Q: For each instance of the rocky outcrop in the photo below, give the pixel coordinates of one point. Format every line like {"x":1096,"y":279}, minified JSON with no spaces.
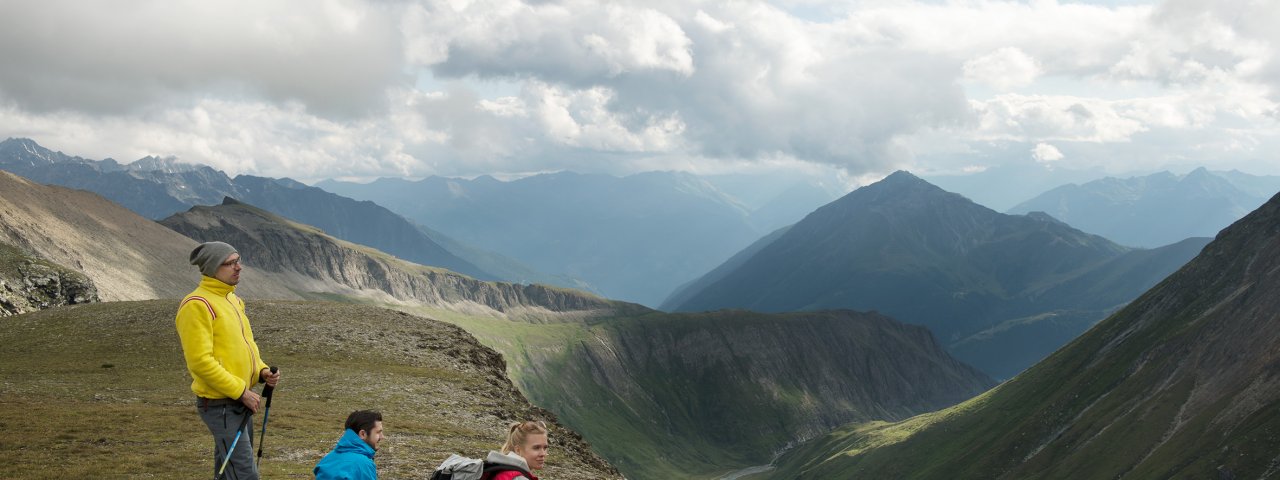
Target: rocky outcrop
{"x":275,"y":244}
{"x":28,"y":283}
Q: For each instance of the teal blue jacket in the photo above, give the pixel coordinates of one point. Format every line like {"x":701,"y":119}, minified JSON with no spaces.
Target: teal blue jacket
{"x":351,"y":459}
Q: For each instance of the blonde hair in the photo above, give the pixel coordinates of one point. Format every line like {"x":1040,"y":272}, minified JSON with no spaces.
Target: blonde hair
{"x":519,"y":432}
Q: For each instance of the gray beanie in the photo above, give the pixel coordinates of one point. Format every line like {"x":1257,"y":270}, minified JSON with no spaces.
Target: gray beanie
{"x":210,"y":255}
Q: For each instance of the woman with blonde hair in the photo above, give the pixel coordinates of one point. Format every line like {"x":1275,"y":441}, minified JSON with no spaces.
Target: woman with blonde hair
{"x":524,"y":451}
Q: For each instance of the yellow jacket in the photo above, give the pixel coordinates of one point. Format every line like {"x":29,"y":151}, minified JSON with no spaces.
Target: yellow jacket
{"x":217,"y":341}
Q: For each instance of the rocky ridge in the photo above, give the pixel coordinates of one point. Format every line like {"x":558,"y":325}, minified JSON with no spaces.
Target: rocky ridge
{"x":275,"y":244}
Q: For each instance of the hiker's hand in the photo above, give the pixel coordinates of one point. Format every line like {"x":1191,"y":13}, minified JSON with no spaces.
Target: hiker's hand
{"x":271,"y":379}
{"x":250,"y":400}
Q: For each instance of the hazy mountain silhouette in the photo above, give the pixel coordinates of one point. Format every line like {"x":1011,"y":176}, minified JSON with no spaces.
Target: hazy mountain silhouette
{"x":1000,"y":290}
{"x":1156,"y":209}
{"x":632,"y":238}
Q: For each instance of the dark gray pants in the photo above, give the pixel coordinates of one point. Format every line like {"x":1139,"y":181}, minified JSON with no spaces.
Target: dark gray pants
{"x":224,"y":418}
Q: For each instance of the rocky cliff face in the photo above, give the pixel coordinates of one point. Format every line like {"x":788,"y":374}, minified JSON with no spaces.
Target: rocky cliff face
{"x":28,"y":283}
{"x":275,"y":244}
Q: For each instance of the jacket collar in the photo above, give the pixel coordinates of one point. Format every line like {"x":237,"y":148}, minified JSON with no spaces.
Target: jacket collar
{"x":352,"y":443}
{"x":216,"y":286}
{"x":512,"y":459}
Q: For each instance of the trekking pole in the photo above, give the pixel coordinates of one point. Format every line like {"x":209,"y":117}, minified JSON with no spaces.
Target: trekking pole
{"x":266,"y":414}
{"x":222,"y":470}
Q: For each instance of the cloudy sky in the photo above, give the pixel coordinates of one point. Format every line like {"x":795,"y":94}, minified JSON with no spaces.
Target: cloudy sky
{"x":313,"y":89}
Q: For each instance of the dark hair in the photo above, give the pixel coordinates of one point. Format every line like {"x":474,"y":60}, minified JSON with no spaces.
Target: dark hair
{"x":363,"y":420}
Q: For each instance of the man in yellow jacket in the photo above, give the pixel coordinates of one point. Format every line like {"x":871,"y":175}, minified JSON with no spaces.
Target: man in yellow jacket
{"x":222,"y":357}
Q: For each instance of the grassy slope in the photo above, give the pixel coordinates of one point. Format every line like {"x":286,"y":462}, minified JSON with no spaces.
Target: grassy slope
{"x":634,"y":443}
{"x":101,"y":390}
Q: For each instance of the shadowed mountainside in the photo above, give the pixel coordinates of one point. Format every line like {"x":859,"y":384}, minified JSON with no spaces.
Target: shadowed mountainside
{"x":734,"y":388}
{"x":1184,"y":382}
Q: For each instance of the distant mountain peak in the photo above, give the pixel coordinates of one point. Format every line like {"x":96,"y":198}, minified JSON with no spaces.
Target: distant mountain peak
{"x":902,"y":176}
{"x":903,"y":179}
{"x":168,"y":164}
{"x":29,"y":151}
{"x":900,"y":190}
{"x":1044,"y":217}
{"x":231,"y":201}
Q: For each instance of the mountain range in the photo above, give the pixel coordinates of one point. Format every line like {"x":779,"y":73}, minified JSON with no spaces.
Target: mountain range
{"x":631,"y":238}
{"x":125,"y":256}
{"x":657,"y":394}
{"x":1156,"y":209}
{"x":1001,"y":291}
{"x":156,"y":188}
{"x":1181,"y":383}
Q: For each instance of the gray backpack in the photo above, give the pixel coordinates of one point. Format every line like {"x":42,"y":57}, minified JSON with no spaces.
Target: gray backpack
{"x":458,"y":467}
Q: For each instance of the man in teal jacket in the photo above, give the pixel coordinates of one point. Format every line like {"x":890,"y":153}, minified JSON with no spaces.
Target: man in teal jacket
{"x":352,"y":457}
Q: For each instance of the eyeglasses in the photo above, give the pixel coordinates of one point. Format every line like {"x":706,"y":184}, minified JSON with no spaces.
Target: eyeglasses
{"x":233,"y":262}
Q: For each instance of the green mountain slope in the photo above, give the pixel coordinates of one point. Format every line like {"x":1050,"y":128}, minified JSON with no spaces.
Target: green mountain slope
{"x":733,"y":388}
{"x":1181,"y":383}
{"x":101,"y":391}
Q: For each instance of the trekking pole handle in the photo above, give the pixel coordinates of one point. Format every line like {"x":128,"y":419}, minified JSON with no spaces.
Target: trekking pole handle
{"x":266,"y":391}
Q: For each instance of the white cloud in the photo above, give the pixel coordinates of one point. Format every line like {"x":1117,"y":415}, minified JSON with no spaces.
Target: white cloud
{"x":1045,"y":153}
{"x":337,"y":57}
{"x":303,"y":89}
{"x":1005,"y":69}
